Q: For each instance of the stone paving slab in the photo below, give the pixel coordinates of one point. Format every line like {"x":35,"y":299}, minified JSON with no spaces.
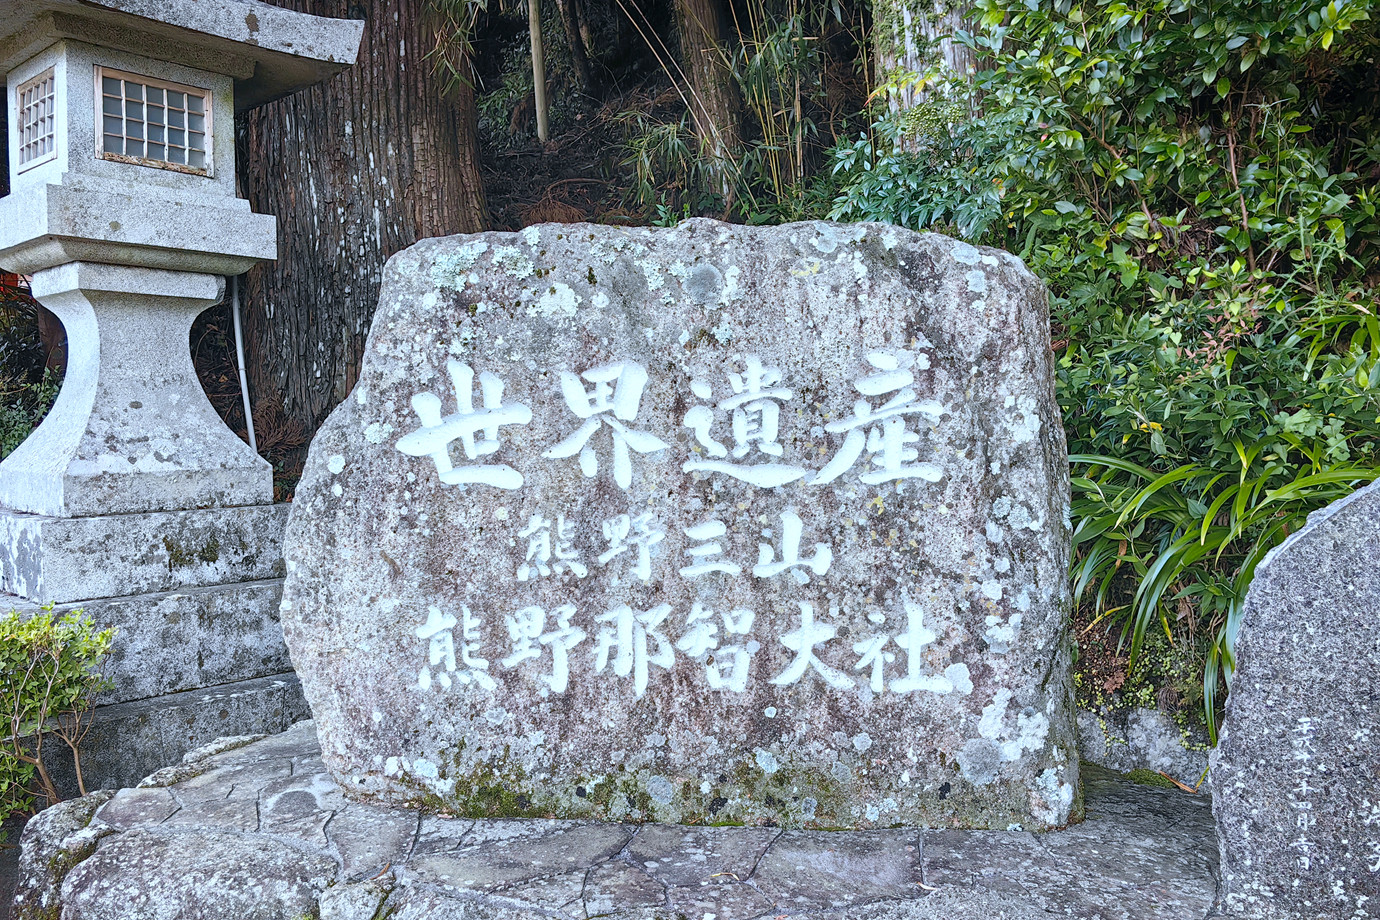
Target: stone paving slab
{"x":261,"y":831}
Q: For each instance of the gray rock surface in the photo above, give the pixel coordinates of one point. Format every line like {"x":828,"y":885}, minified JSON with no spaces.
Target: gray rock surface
{"x":1296,"y":790}
{"x":761,"y":524}
{"x":210,"y":874}
{"x":173,"y":641}
{"x":260,"y":830}
{"x":54,"y":841}
{"x":1144,"y":739}
{"x":128,"y":741}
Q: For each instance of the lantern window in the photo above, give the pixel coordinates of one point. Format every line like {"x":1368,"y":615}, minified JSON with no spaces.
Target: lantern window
{"x":153,"y":122}
{"x":36,"y":105}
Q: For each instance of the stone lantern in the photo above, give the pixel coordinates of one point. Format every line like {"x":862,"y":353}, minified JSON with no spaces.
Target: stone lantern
{"x":133,"y":499}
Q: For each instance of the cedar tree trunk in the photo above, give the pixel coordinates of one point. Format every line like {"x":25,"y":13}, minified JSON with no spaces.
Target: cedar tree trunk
{"x":713,"y":102}
{"x":355,"y":170}
{"x":904,"y":39}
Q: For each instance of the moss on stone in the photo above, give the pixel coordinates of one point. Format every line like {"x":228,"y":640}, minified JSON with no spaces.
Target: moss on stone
{"x":180,"y":556}
{"x":1143,"y":777}
{"x":490,"y":792}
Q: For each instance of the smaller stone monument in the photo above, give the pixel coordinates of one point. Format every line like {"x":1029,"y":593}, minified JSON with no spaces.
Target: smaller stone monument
{"x":705,"y":524}
{"x":133,"y":500}
{"x":1296,"y":790}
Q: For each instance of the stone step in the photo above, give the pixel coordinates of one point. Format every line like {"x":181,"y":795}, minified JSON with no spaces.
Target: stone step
{"x":62,"y":560}
{"x":262,"y":830}
{"x":175,"y":641}
{"x":128,"y":741}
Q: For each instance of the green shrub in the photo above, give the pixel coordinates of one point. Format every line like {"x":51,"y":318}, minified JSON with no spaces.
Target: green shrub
{"x":1196,"y":183}
{"x":22,"y":408}
{"x":49,"y":677}
{"x":27,"y":387}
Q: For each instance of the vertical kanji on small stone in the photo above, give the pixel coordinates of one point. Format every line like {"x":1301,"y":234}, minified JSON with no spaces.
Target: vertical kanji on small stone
{"x":439,"y":431}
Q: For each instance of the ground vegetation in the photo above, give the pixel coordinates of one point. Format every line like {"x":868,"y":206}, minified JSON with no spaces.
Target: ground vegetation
{"x":49,"y":679}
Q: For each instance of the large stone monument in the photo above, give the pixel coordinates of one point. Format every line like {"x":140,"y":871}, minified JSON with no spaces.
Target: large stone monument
{"x":1296,"y":789}
{"x":133,"y":500}
{"x":710,"y":524}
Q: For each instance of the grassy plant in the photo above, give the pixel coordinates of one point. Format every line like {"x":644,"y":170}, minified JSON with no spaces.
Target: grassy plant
{"x":22,"y":408}
{"x":49,"y":678}
{"x":779,"y":65}
{"x":777,"y":69}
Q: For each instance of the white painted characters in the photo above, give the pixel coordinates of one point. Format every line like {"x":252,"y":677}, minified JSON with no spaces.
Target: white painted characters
{"x":754,"y":412}
{"x":613,"y":401}
{"x":528,"y":634}
{"x":610,"y":396}
{"x":632,"y":634}
{"x":803,"y":642}
{"x":550,"y":549}
{"x":438,"y":631}
{"x":791,"y":561}
{"x":705,"y":554}
{"x":629,"y":643}
{"x":727,"y":668}
{"x":635,"y":534}
{"x":439,"y":431}
{"x":913,"y":641}
{"x":881,"y":430}
{"x":873,"y":656}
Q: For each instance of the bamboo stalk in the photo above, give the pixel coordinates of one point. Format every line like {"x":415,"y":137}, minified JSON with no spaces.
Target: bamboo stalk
{"x":538,"y":69}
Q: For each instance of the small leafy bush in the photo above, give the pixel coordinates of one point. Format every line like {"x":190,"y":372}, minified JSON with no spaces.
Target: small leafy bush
{"x":22,"y":408}
{"x":27,"y":387}
{"x":1197,"y":184}
{"x":49,"y":678}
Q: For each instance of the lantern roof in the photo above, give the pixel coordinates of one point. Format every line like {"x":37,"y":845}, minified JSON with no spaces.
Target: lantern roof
{"x":269,"y":51}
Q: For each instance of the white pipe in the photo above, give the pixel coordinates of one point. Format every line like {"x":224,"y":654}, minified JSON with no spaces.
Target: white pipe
{"x":239,"y":357}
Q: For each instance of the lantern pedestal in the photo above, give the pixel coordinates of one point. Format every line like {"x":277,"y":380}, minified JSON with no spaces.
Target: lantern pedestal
{"x":132,"y":430}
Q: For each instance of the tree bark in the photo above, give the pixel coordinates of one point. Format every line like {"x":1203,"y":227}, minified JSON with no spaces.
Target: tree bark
{"x":355,"y":170}
{"x":714,"y":100}
{"x":915,"y":35}
{"x":571,"y":16}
